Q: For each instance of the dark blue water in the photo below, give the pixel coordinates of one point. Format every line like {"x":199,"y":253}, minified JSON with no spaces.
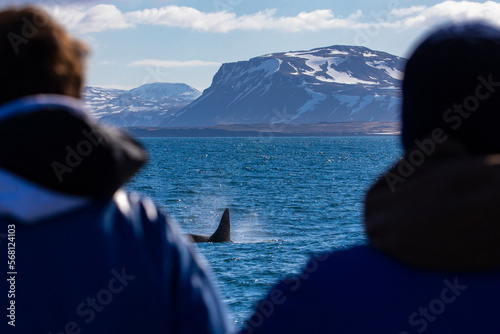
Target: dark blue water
{"x":288,"y":197}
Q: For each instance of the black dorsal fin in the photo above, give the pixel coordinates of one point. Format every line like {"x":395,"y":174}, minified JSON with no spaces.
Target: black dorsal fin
{"x":223,"y":232}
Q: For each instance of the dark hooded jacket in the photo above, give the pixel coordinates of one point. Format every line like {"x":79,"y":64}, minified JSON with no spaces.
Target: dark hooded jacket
{"x":433,"y":220}
{"x":432,"y":266}
{"x":80,"y":255}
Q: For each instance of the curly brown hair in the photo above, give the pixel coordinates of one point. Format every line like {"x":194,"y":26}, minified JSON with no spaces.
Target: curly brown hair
{"x":37,"y":56}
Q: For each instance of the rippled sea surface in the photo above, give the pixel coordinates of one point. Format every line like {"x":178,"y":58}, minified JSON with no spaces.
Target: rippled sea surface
{"x":288,"y":198}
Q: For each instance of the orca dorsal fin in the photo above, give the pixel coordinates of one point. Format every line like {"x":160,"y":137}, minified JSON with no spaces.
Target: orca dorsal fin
{"x":223,"y":232}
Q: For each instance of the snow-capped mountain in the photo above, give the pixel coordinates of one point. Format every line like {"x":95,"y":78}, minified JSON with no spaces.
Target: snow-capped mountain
{"x":147,"y":105}
{"x":331,"y":84}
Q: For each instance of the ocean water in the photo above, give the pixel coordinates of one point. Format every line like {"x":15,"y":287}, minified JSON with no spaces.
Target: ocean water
{"x":288,"y":198}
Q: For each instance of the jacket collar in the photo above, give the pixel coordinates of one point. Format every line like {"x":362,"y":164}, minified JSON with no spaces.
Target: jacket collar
{"x":29,"y":203}
{"x":31,"y":104}
{"x":441,"y":215}
{"x":50,"y":142}
{"x":21,"y":199}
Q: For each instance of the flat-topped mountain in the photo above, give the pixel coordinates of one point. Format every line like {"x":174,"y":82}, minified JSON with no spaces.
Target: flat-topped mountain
{"x":331,"y":84}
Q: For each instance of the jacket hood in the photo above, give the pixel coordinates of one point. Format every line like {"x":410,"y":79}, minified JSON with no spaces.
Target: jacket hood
{"x":54,"y":155}
{"x":452,"y":82}
{"x":442,"y":215}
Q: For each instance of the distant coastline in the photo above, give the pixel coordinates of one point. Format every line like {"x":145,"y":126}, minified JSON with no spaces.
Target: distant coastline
{"x":274,"y":130}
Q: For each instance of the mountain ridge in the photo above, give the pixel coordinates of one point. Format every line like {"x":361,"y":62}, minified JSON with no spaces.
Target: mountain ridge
{"x":335,"y":83}
{"x":146,"y":105}
{"x":338,"y":83}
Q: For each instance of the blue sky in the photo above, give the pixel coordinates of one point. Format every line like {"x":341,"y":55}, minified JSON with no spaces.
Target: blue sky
{"x":136,"y":42}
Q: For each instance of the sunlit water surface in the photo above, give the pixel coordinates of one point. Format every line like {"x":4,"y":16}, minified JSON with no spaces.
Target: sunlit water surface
{"x":288,"y":197}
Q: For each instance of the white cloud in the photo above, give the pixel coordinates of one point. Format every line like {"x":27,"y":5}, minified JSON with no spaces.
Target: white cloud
{"x":457,"y":11}
{"x":172,"y":63}
{"x":317,"y":20}
{"x":183,"y":17}
{"x":94,"y":19}
{"x":186,"y":17}
{"x":401,"y":12}
{"x":109,"y":17}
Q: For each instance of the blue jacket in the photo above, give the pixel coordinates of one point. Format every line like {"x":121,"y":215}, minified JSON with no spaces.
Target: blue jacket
{"x":85,"y":257}
{"x":362,"y":290}
{"x":432,"y":266}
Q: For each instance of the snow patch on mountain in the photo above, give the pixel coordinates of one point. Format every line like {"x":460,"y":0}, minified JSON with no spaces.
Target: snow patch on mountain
{"x":391,"y":71}
{"x":311,"y":104}
{"x":269,"y":67}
